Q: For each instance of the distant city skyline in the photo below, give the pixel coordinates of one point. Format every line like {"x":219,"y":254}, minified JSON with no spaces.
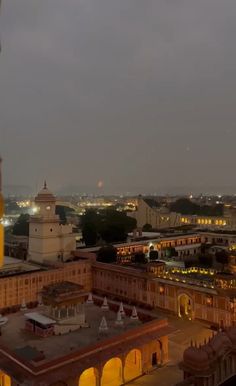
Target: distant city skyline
{"x":113,"y":190}
{"x":138,"y":95}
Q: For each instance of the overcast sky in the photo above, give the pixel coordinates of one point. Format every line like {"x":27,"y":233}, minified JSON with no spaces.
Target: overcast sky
{"x":140,"y":94}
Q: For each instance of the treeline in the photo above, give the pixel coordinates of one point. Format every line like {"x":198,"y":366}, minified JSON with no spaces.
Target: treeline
{"x":21,"y":226}
{"x":185,"y":206}
{"x":106,"y":225}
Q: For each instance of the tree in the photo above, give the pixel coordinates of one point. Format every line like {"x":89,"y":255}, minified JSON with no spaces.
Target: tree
{"x":139,"y":258}
{"x":107,"y":254}
{"x":89,"y":234}
{"x":63,"y":211}
{"x":153,"y":255}
{"x":109,"y":225}
{"x":186,"y":206}
{"x":205,"y":261}
{"x":147,"y":228}
{"x":190,"y":263}
{"x":171,"y":252}
{"x":60,"y":211}
{"x":21,"y":227}
{"x":222,"y":257}
{"x":113,"y":233}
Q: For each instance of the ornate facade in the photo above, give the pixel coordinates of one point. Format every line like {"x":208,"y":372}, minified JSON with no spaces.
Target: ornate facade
{"x":212,"y":362}
{"x":49,"y":240}
{"x":208,"y":299}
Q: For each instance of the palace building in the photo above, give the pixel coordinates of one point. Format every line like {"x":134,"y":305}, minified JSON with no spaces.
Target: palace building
{"x":107,"y":348}
{"x":148,"y":212}
{"x":70,"y":341}
{"x":195,"y":293}
{"x":212,"y":362}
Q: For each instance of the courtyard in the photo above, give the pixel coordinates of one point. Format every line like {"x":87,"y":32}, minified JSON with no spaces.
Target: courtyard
{"x":185,"y":330}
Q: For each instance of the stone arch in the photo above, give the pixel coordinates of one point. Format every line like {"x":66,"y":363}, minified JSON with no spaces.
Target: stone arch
{"x":133,"y":365}
{"x":185,"y":305}
{"x":112,"y":373}
{"x":88,"y":377}
{"x":5,"y":380}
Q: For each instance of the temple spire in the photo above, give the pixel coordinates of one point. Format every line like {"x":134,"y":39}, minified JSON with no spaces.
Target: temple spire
{"x":45,"y":184}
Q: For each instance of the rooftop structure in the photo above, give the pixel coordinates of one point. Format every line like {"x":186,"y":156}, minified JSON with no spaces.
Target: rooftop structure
{"x":212,"y":362}
{"x":61,"y":292}
{"x":35,"y":360}
{"x":49,"y":240}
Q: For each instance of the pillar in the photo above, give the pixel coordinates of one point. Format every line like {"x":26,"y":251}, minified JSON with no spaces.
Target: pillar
{"x":186,"y":308}
{"x":165,"y":352}
{"x":72,"y":381}
{"x":98,"y":379}
{"x":53,"y":311}
{"x":122,"y":375}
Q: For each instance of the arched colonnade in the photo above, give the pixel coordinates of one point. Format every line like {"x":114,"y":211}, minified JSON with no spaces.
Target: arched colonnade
{"x":118,"y":370}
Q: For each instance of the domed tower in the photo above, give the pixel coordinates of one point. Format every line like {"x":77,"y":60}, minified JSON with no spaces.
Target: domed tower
{"x":1,"y":217}
{"x":48,"y":239}
{"x":45,"y":203}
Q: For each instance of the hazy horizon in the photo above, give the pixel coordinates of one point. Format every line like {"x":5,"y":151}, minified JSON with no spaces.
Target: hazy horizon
{"x":22,"y":190}
{"x":134,"y":96}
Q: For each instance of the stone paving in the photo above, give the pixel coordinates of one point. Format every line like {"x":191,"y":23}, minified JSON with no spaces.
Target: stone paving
{"x":170,"y":374}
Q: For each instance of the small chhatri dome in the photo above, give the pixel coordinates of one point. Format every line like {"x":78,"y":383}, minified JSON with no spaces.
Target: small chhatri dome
{"x":105,"y":306}
{"x":45,"y":195}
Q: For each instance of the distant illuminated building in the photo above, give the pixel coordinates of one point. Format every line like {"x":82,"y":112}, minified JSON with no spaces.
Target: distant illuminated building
{"x":150,"y":212}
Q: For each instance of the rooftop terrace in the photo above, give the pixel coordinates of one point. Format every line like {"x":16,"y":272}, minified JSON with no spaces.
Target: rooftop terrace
{"x":28,"y":346}
{"x":13,"y":267}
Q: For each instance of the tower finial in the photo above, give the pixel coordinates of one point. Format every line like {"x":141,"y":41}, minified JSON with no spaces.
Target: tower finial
{"x":45,"y":184}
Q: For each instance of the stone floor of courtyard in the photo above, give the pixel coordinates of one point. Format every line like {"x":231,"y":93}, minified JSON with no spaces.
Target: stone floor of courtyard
{"x":170,"y":374}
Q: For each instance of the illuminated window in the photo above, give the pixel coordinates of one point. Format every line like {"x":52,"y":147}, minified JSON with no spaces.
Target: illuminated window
{"x":161,"y":290}
{"x":209,"y":301}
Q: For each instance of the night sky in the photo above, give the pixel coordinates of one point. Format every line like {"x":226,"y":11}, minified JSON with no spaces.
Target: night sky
{"x":137,"y":94}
